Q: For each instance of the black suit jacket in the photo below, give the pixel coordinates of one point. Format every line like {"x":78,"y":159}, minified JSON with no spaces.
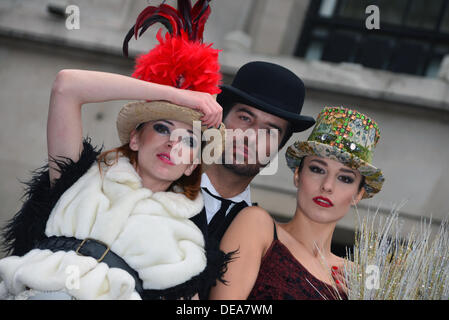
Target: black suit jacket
{"x":201,"y":221}
{"x":213,"y":241}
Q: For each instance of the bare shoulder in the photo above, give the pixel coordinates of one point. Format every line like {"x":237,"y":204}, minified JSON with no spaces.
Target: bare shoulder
{"x":342,"y":262}
{"x":252,"y":222}
{"x":255,"y":214}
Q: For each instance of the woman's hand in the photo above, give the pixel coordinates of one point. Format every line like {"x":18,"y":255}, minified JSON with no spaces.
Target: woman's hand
{"x":201,"y":101}
{"x":339,"y":278}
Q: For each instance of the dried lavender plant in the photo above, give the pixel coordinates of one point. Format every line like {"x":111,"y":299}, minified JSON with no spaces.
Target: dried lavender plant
{"x":384,"y":266}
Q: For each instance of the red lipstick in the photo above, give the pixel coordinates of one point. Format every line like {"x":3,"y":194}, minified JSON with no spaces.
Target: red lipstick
{"x":165,"y":157}
{"x":324,"y":202}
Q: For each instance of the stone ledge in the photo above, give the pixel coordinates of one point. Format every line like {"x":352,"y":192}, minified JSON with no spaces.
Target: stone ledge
{"x":32,"y":22}
{"x":352,"y":79}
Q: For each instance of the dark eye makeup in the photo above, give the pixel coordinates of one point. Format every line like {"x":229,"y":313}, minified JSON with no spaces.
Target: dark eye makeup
{"x":190,"y":141}
{"x":343,"y":178}
{"x":161,"y":128}
{"x":346,"y":179}
{"x":316,"y":169}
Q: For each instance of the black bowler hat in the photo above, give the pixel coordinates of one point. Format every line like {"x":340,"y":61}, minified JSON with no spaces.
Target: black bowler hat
{"x":270,"y":88}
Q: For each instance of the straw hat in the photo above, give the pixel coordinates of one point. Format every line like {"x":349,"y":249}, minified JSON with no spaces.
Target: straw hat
{"x":135,"y":113}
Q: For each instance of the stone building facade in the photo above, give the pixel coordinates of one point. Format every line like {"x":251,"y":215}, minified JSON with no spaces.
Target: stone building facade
{"x":411,"y":109}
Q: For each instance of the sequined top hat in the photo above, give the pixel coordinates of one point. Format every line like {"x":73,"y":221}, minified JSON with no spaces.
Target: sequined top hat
{"x":344,"y":135}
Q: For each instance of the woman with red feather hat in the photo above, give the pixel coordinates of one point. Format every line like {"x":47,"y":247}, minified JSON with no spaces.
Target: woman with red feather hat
{"x":116,"y":224}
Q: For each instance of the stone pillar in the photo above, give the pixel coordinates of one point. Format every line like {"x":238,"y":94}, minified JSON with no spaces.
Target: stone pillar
{"x":238,"y":39}
{"x":444,"y":69}
{"x":276,"y":25}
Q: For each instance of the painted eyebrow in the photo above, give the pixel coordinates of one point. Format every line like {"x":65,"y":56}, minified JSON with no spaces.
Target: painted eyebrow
{"x":325,"y":164}
{"x":347,"y":171}
{"x":242,"y":109}
{"x":171,"y":123}
{"x":319,"y":161}
{"x":166,"y":121}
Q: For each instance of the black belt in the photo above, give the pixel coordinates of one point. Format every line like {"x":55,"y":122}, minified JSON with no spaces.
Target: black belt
{"x":91,"y":248}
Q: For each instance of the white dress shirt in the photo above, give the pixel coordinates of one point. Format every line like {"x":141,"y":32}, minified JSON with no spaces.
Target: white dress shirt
{"x":212,"y":204}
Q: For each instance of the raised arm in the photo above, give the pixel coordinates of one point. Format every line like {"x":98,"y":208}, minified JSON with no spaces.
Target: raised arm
{"x":73,"y":88}
{"x":251,"y":233}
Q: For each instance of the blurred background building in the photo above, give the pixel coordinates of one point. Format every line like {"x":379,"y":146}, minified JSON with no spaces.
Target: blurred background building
{"x":397,"y":74}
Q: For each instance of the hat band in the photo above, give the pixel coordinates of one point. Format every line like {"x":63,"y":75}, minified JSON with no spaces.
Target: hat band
{"x":343,"y":144}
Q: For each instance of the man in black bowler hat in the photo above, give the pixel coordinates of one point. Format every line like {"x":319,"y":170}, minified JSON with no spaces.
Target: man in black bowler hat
{"x":262,"y":96}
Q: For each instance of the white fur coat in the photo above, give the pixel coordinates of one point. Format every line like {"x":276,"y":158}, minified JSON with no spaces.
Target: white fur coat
{"x":150,"y":231}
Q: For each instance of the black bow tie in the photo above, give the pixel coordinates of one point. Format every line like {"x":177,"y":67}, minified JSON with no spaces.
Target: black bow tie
{"x":219,"y":223}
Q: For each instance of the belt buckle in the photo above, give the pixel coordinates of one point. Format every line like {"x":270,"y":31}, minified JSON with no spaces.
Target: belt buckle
{"x":100,"y":242}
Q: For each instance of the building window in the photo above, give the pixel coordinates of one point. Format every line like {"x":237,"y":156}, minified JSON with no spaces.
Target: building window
{"x":413,"y":37}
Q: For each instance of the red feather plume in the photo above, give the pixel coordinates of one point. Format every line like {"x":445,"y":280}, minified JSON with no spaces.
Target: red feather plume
{"x":181,"y":59}
{"x":180,"y":63}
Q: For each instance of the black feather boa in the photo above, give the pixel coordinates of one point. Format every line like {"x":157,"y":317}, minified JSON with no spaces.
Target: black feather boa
{"x":27,"y":228}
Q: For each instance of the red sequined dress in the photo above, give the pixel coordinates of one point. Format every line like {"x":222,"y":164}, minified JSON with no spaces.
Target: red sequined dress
{"x":283,"y":277}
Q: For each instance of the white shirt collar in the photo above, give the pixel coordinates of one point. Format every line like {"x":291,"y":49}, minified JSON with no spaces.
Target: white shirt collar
{"x":245,"y":195}
{"x":212,"y":205}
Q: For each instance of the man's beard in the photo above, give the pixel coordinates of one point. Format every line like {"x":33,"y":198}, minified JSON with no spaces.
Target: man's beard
{"x":243,"y":169}
{"x":250,"y":166}
{"x":246,"y":170}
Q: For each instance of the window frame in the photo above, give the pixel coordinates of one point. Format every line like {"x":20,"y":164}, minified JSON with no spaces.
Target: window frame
{"x":432,"y":37}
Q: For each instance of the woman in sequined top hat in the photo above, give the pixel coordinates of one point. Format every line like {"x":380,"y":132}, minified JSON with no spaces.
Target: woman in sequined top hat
{"x":332,"y":172}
